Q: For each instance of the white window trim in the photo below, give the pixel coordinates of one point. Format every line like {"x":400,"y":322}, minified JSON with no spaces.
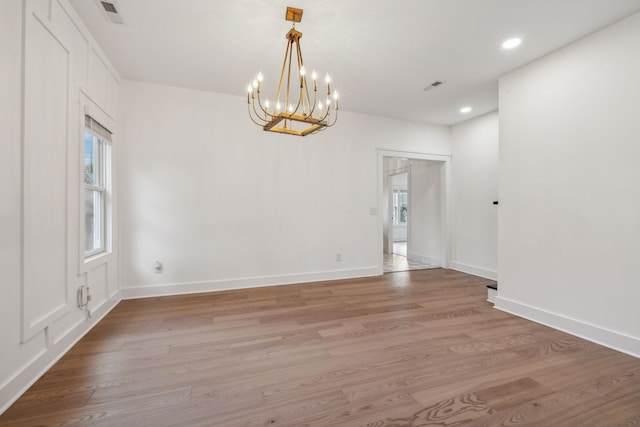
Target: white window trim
{"x":103,"y":206}
{"x":88,"y":262}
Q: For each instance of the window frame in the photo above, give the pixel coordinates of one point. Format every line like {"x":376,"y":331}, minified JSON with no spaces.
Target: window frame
{"x":397,"y":207}
{"x":100,"y":186}
{"x":90,"y":260}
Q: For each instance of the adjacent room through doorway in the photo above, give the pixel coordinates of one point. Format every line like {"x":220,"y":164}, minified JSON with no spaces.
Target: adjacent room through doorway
{"x":413,"y":223}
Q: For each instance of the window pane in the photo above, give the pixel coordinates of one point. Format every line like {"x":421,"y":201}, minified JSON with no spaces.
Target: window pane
{"x":394,"y":215}
{"x":93,"y":218}
{"x":404,"y":213}
{"x":95,"y":153}
{"x":91,"y":159}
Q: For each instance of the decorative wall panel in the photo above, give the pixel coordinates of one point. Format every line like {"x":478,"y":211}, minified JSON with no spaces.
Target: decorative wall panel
{"x":45,"y":176}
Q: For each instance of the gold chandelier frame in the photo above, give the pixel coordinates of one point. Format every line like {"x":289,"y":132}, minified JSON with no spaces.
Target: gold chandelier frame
{"x":307,"y":116}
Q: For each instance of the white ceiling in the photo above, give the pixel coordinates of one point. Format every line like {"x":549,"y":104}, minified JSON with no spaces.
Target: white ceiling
{"x":380,"y":54}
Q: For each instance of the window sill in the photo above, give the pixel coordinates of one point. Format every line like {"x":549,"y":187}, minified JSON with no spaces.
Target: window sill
{"x":96,"y":260}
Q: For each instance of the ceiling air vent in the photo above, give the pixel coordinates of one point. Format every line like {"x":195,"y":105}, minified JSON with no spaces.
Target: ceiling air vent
{"x":433,"y":85}
{"x":110,"y":11}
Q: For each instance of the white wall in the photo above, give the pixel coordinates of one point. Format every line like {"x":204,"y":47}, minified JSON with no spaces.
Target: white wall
{"x":569,"y":228}
{"x":425,"y":212}
{"x":40,"y":170}
{"x":224,"y":204}
{"x":474,"y":149}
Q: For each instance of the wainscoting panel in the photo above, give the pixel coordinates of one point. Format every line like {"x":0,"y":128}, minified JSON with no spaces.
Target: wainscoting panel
{"x":46,"y":101}
{"x":97,"y":79}
{"x":46,"y":48}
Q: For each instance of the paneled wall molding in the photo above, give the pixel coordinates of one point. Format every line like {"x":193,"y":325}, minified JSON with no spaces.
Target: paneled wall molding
{"x":89,"y":106}
{"x":48,"y":51}
{"x":14,"y":387}
{"x":45,"y":196}
{"x":86,"y":34}
{"x":45,"y":142}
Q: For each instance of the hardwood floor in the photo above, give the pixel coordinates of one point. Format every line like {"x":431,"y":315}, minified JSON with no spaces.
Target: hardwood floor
{"x":408,"y":349}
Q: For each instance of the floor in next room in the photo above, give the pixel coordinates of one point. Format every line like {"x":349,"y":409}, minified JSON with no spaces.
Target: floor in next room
{"x":398,"y":261}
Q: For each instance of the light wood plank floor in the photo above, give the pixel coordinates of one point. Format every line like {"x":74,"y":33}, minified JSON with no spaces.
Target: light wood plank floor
{"x":409,"y":349}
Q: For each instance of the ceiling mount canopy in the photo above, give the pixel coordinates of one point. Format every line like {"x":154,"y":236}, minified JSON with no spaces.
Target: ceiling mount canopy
{"x":300,"y":115}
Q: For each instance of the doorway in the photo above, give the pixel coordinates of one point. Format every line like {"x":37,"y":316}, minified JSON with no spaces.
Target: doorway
{"x":398,"y":217}
{"x":414,"y":205}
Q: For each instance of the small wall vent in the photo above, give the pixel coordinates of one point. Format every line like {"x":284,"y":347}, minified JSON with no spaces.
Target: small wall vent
{"x":110,"y":11}
{"x":434,"y":85}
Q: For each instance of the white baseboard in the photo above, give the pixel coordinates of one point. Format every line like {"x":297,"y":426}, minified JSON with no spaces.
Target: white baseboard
{"x":599,"y":335}
{"x":491,"y":295}
{"x":15,"y":387}
{"x":424,"y":259}
{"x":476,"y":271}
{"x":146,"y":291}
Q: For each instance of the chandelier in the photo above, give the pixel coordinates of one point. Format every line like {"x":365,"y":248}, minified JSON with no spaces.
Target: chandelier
{"x":292,"y":114}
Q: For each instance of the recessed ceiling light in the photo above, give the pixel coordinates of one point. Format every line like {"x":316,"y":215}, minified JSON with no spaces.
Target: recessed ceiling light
{"x":465,"y":110}
{"x":511,"y":43}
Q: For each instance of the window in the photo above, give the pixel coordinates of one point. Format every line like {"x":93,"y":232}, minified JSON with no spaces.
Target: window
{"x":400,"y":207}
{"x":96,"y":162}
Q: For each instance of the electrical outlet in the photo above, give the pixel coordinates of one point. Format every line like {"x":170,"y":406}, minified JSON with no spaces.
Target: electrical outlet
{"x":338,"y":257}
{"x":83,"y":296}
